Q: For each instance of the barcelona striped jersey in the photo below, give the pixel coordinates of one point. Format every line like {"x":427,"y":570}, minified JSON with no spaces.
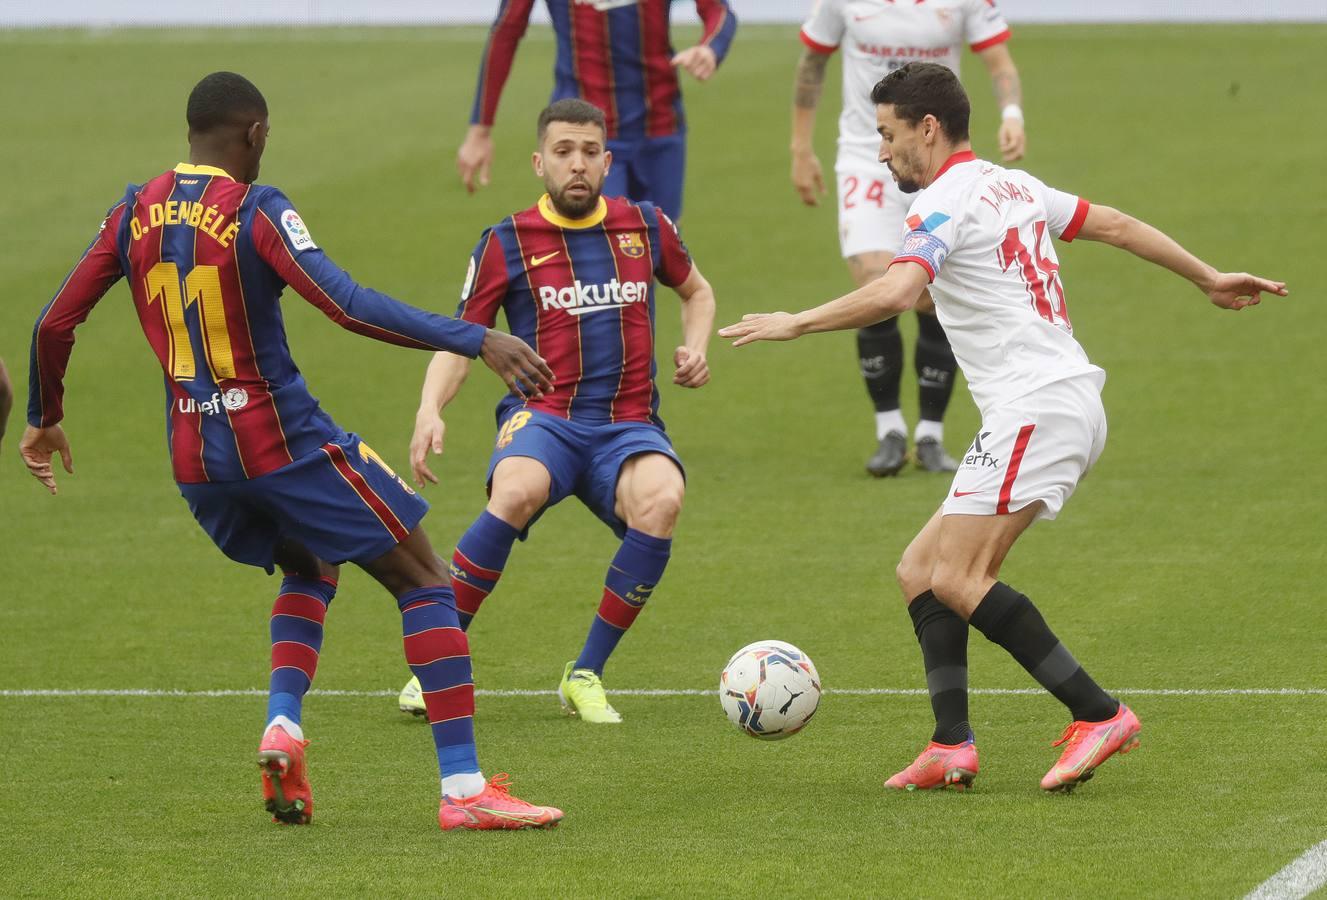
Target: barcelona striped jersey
{"x":207,"y":259}
{"x":615,"y":54}
{"x":581,"y":293}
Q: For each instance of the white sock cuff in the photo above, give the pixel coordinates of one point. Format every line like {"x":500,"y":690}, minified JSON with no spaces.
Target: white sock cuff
{"x":928,"y":429}
{"x":463,"y":785}
{"x":885,"y":422}
{"x":292,"y":728}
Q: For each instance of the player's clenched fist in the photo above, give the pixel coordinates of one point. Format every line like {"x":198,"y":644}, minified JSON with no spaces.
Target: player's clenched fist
{"x":519,"y":367}
{"x":693,"y":370}
{"x":700,"y":61}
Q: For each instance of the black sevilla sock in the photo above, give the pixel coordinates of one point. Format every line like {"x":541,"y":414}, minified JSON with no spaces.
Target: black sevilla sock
{"x":935,"y":365}
{"x":880,"y":355}
{"x":944,"y":640}
{"x":1009,"y":619}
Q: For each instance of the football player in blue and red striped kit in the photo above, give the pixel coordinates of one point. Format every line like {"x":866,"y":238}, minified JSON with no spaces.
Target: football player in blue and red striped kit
{"x":575,"y":276}
{"x":267,"y":473}
{"x":615,"y":54}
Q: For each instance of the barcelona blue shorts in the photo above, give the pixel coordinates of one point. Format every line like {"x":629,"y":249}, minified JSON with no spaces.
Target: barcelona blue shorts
{"x":583,"y":460}
{"x":649,"y":169}
{"x":341,"y":501}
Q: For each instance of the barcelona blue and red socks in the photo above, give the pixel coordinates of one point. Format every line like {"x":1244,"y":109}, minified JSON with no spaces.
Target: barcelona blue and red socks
{"x":478,"y":561}
{"x":636,"y":569}
{"x":438,"y":653}
{"x":297,"y":639}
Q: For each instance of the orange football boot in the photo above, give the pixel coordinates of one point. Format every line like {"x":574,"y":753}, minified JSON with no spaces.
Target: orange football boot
{"x":495,"y":809}
{"x":1089,"y":744}
{"x":939,"y":766}
{"x":286,"y":790}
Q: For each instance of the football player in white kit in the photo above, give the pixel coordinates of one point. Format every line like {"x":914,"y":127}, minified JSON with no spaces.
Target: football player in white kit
{"x":980,"y":236}
{"x":877,"y":37}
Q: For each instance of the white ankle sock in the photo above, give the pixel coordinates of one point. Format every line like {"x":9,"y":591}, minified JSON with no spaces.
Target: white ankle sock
{"x":292,"y":728}
{"x":464,"y":785}
{"x":885,"y":422}
{"x":928,"y":429}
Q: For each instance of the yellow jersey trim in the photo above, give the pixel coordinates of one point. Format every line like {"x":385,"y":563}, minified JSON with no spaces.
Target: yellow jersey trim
{"x":548,"y":212}
{"x":190,"y":169}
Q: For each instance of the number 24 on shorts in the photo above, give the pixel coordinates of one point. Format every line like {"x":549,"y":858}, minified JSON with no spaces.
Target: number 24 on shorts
{"x":875,"y":192}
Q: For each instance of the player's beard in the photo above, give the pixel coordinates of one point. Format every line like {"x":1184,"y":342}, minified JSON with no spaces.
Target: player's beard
{"x":575,"y":206}
{"x":905,"y":184}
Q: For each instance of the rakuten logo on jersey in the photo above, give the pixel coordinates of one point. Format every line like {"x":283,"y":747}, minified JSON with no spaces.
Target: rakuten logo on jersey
{"x":580,"y":299}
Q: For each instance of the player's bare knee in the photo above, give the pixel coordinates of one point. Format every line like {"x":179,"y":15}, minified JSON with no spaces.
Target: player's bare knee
{"x":957,"y":587}
{"x":515,"y":501}
{"x":657,"y":511}
{"x":912,"y":577}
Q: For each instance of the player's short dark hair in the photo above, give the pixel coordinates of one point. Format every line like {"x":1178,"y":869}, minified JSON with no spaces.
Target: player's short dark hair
{"x":573,"y":111}
{"x":920,"y":89}
{"x":224,"y":98}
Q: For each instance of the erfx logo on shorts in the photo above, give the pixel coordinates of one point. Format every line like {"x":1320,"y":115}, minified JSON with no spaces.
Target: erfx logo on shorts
{"x":978,"y":455}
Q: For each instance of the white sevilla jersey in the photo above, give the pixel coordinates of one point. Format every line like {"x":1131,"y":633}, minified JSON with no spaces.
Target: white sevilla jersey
{"x":983,"y":234}
{"x":879,"y":36}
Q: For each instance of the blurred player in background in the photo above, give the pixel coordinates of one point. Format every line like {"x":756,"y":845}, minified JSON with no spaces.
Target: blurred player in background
{"x":270,"y":477}
{"x":575,"y":276}
{"x":6,"y":399}
{"x":616,"y":55}
{"x":879,"y":37}
{"x":980,"y":237}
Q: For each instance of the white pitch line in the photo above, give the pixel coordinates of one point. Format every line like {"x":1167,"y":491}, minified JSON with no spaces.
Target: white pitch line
{"x":1299,"y":879}
{"x":661,"y":692}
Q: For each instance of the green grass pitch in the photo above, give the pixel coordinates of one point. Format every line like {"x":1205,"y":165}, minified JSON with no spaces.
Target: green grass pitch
{"x":1191,"y":558}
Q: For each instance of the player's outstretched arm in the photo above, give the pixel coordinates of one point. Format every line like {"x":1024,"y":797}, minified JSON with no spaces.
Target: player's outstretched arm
{"x":693,"y":368}
{"x":523,"y":371}
{"x":808,"y":178}
{"x":446,"y":373}
{"x":889,"y":295}
{"x":38,"y":445}
{"x":1009,"y":98}
{"x":1228,"y":290}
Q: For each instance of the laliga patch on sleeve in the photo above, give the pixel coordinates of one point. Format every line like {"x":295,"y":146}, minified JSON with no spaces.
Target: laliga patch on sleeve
{"x":927,"y":247}
{"x":469,"y":281}
{"x":295,"y":230}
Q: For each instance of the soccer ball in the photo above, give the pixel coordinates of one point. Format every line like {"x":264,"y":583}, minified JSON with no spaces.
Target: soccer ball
{"x":769,"y":689}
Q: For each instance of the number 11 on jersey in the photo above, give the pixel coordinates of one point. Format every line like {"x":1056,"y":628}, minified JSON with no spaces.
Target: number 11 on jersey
{"x":1041,"y":277}
{"x":204,"y":285}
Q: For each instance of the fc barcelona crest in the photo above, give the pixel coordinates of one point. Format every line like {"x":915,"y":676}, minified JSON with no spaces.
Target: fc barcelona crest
{"x":629,"y":243}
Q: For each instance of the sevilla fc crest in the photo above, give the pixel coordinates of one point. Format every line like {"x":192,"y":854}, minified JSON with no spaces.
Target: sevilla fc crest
{"x":629,"y":243}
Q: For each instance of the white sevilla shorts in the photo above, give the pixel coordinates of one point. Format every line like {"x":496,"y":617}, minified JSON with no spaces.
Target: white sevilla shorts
{"x":871,"y":207}
{"x":1035,"y":448}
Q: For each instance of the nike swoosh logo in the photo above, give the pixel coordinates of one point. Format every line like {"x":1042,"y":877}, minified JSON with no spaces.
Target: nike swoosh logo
{"x":967,"y":493}
{"x":586,"y":310}
{"x":539,"y":260}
